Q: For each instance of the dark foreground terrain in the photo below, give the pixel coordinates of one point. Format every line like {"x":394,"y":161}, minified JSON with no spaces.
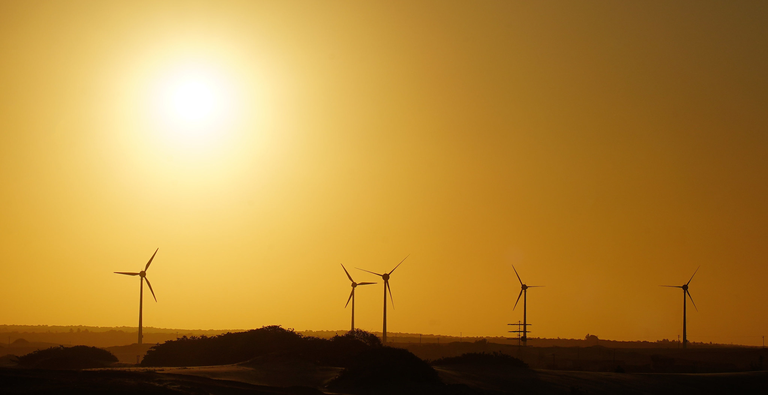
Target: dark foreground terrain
{"x":496,"y":381}
{"x":239,"y":379}
{"x":273,"y":360}
{"x":23,"y":381}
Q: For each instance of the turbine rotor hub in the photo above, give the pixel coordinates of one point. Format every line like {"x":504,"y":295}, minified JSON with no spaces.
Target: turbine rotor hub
{"x":385,"y":276}
{"x":354,"y":284}
{"x":524,"y":286}
{"x":143,"y":273}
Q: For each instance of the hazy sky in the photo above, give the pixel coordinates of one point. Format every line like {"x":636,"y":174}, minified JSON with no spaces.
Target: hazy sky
{"x":603,"y":148}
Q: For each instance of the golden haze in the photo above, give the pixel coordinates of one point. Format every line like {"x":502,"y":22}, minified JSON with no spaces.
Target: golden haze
{"x":603,"y":148}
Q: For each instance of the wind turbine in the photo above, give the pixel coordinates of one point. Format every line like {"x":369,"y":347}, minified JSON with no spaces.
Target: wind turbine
{"x":385,"y":277}
{"x":352,"y":295}
{"x":685,"y":292}
{"x":524,"y":294}
{"x":143,"y":277}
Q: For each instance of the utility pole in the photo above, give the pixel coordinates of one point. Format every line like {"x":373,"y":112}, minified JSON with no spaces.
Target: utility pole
{"x":522,"y":334}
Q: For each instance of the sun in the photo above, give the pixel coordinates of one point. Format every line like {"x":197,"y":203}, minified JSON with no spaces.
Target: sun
{"x":193,"y":100}
{"x":194,"y":103}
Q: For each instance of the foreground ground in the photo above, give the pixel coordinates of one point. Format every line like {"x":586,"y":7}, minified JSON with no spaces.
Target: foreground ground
{"x":498,"y":381}
{"x":284,"y":380}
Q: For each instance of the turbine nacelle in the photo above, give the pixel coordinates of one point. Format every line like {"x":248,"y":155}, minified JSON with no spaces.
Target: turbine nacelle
{"x":684,"y":287}
{"x":523,"y":287}
{"x":353,"y":284}
{"x":385,"y":277}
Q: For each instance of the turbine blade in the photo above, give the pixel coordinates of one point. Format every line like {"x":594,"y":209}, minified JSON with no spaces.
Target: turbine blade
{"x":365,"y":283}
{"x":694,"y":273}
{"x":150,"y":260}
{"x":150,"y":289}
{"x":390,"y":294}
{"x":351,"y":294}
{"x":345,"y":271}
{"x":128,"y":273}
{"x":401,"y":262}
{"x":691,"y":297}
{"x":536,"y":286}
{"x":518,"y":277}
{"x":380,"y":275}
{"x":518,"y":298}
{"x":671,"y":286}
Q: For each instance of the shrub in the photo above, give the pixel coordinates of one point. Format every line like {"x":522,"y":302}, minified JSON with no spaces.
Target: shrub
{"x":223,"y":349}
{"x":77,"y":357}
{"x":243,"y":346}
{"x":385,"y":369}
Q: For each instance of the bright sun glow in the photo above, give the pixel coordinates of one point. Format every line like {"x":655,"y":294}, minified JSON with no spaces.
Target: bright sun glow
{"x":194,"y":104}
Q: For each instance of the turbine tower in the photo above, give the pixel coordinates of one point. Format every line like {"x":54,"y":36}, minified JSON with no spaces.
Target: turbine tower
{"x":524,"y":294}
{"x":385,"y":277}
{"x":352,"y":295}
{"x":142,"y":277}
{"x":684,"y":287}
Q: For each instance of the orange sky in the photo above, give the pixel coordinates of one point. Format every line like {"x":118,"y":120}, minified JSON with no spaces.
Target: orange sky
{"x":603,"y":148}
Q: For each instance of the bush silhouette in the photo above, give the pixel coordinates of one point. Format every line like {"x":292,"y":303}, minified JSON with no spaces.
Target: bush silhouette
{"x":369,"y":339}
{"x":77,"y":357}
{"x":387,"y":370}
{"x":340,"y":350}
{"x":243,"y":346}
